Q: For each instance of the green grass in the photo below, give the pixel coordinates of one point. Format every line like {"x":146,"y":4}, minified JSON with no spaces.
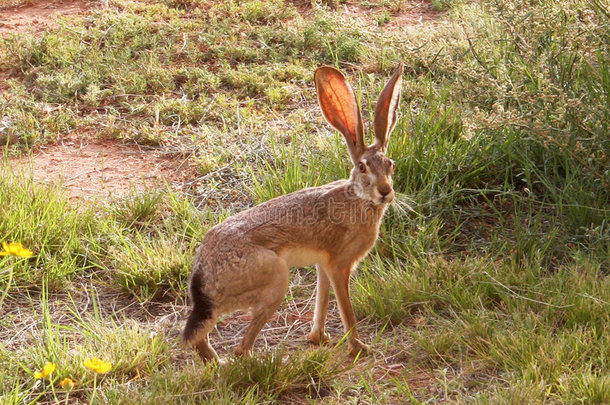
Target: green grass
{"x":489,"y":283}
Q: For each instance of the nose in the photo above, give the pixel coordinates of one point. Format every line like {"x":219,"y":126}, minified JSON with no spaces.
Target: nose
{"x":384,"y":189}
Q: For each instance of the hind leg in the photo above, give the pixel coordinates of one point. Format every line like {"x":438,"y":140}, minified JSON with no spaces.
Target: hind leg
{"x":268,"y":299}
{"x":201,"y":342}
{"x":205,"y":350}
{"x":201,"y":320}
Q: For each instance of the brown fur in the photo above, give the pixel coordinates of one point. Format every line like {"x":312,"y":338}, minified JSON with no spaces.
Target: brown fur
{"x":243,"y":263}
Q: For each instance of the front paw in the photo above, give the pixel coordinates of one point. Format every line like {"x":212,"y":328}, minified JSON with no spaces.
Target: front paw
{"x":356,"y":348}
{"x":240,"y":351}
{"x":319,"y":337}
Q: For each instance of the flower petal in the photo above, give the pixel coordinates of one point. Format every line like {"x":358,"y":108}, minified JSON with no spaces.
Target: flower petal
{"x":67,"y":383}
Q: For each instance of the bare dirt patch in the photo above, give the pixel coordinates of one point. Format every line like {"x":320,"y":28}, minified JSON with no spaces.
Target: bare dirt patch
{"x":411,"y":13}
{"x":38,"y":15}
{"x":3,"y":78}
{"x":105,"y":168}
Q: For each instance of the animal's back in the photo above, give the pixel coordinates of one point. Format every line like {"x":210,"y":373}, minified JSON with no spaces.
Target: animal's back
{"x":290,"y":219}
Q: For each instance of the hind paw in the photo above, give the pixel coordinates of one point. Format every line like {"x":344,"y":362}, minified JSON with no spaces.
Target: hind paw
{"x":319,"y":337}
{"x":356,"y":347}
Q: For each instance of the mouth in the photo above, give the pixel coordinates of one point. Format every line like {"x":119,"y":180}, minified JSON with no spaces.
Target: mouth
{"x":386,"y":199}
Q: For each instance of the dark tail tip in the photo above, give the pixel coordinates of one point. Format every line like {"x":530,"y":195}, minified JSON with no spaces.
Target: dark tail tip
{"x":202,"y":308}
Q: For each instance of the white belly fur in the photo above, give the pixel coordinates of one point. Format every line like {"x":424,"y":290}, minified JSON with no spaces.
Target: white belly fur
{"x":299,"y":257}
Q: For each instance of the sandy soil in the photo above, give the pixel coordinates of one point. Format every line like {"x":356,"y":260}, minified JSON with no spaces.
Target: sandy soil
{"x":38,"y":15}
{"x":104,"y":168}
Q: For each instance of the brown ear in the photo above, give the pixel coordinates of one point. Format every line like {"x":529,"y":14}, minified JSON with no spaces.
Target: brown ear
{"x":340,"y":108}
{"x":385,"y":111}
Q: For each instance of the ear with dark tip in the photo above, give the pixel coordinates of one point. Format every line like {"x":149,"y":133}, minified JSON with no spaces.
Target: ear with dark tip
{"x":340,"y":108}
{"x":385,"y":111}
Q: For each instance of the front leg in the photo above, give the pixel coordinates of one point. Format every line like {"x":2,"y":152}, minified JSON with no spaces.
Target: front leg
{"x":340,"y":282}
{"x":317,"y":335}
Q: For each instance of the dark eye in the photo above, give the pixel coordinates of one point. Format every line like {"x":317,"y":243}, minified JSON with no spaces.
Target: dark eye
{"x":362,"y":167}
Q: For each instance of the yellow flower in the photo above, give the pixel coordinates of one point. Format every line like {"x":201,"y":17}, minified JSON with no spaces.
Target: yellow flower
{"x":67,"y":384}
{"x":46,"y":371}
{"x":97,"y":365}
{"x":17,"y":249}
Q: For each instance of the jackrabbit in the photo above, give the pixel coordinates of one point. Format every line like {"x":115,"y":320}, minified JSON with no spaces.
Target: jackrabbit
{"x":243,"y":263}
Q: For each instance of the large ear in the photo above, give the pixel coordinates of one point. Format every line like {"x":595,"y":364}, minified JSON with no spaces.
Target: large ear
{"x":385,"y":111}
{"x":340,"y":108}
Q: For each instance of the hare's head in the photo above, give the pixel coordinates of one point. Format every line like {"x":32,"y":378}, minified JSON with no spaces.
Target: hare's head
{"x":371,"y":176}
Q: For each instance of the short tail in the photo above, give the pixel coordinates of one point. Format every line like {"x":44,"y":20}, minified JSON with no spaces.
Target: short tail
{"x":202,"y":308}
